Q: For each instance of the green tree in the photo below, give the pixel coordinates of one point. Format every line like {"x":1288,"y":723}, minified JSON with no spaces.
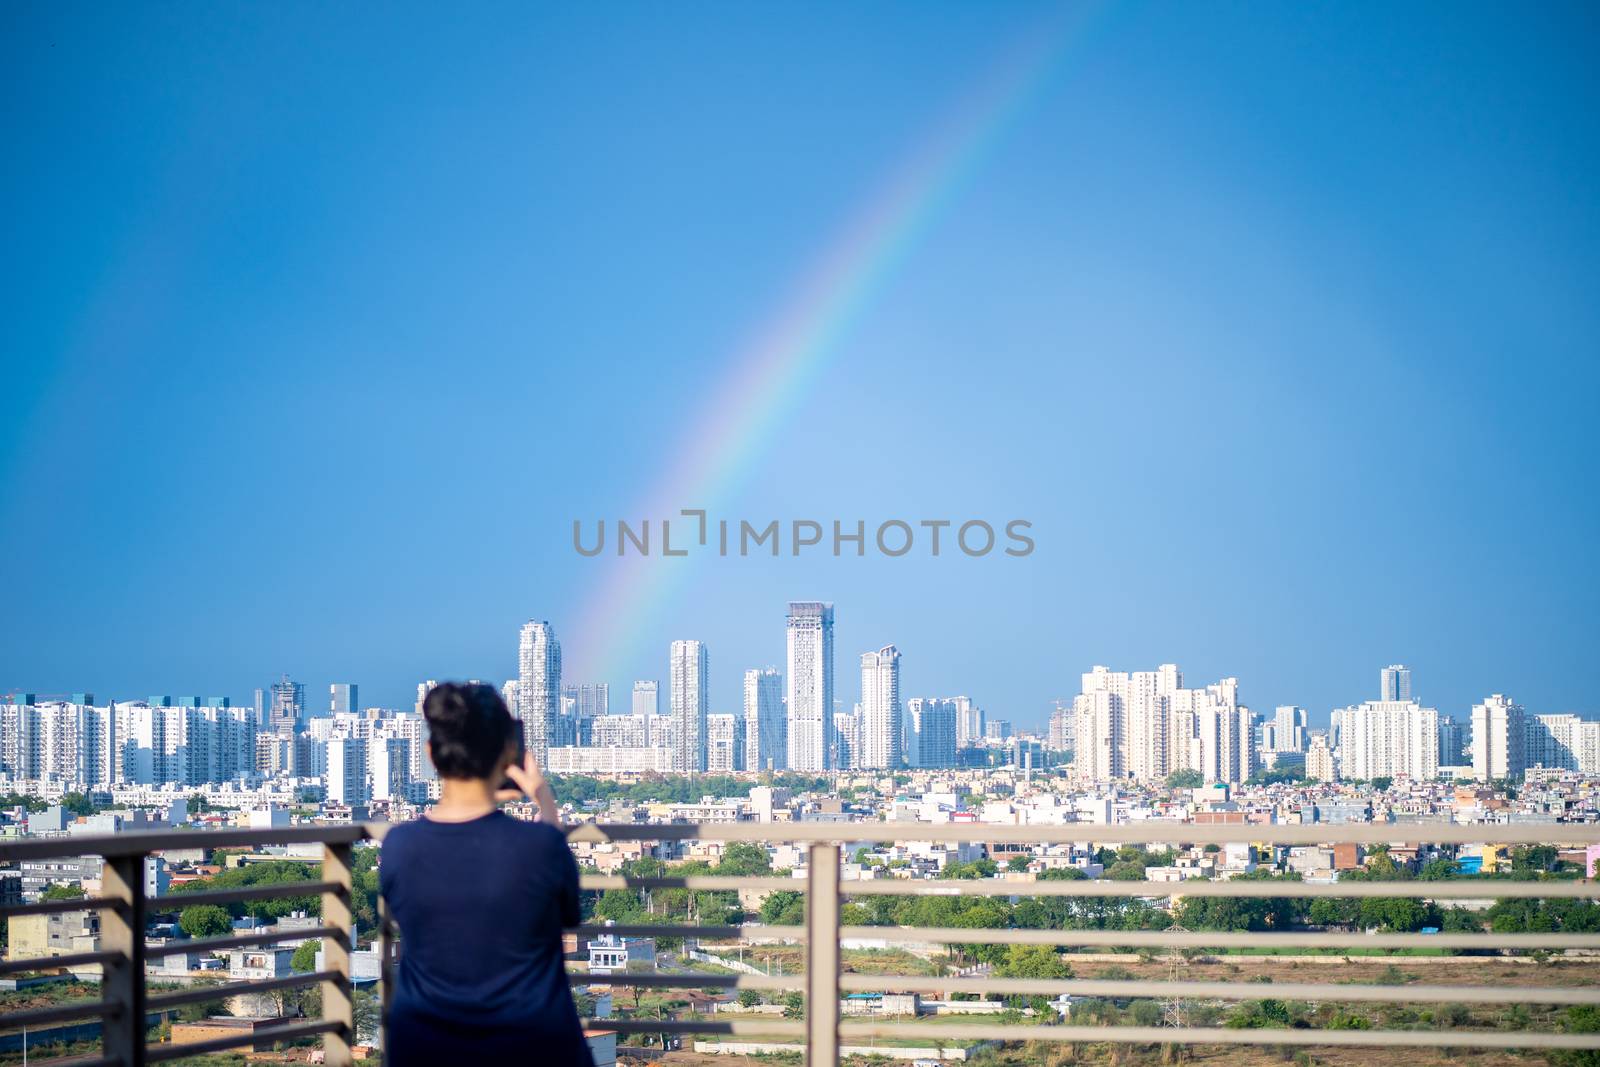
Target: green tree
{"x":304,"y":959}
{"x":1581,"y":1019}
{"x":205,"y":920}
{"x":1019,"y":862}
{"x":1185,"y":780}
{"x":742,"y":858}
{"x":1033,"y":961}
{"x":62,"y":891}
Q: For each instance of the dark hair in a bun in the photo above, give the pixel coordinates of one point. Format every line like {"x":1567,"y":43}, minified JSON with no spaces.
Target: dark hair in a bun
{"x":468,"y":729}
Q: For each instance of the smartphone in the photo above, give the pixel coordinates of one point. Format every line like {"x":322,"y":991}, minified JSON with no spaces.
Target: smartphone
{"x":518,"y":760}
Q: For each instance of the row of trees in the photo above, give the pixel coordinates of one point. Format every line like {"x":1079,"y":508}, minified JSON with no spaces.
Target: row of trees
{"x":579,"y":789}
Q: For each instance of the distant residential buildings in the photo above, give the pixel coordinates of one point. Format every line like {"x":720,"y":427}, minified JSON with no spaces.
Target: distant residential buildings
{"x":809,"y":682}
{"x":288,"y":707}
{"x":539,"y":686}
{"x":1320,"y":765}
{"x":878,"y":745}
{"x":1394,"y":683}
{"x":765,"y":724}
{"x":930,"y":732}
{"x":1145,"y":725}
{"x":687,"y":687}
{"x":725,"y":743}
{"x":1388,"y":738}
{"x":344,"y":698}
{"x":1499,"y":739}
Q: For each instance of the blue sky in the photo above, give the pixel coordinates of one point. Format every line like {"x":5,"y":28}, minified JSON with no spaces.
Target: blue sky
{"x":1278,"y":323}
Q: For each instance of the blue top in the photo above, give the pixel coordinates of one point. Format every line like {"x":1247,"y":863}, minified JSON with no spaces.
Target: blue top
{"x":481,"y":906}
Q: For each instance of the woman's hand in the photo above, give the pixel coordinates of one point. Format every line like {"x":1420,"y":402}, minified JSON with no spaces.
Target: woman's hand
{"x":531,"y":783}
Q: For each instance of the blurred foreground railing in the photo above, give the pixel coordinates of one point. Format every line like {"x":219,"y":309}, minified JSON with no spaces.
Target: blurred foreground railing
{"x":822,"y":1030}
{"x":125,"y":1007}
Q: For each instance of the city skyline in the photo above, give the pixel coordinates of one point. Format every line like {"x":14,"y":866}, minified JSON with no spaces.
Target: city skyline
{"x":1354,"y":321}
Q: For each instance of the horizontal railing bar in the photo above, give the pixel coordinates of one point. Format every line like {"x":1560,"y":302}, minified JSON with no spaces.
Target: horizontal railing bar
{"x":212,"y":944}
{"x":774,"y":1027}
{"x":1100,"y":887}
{"x":693,"y":980}
{"x":137,"y":842}
{"x":951,"y":935}
{"x":56,"y":963}
{"x":275,"y":1034}
{"x":1149,"y":831}
{"x":693,"y":881}
{"x":54,"y":1013}
{"x":223,"y":990}
{"x":710,"y":933}
{"x":1132,"y":988}
{"x":177,"y":901}
{"x":1196,"y":1035}
{"x":79,"y":1061}
{"x":56,"y":907}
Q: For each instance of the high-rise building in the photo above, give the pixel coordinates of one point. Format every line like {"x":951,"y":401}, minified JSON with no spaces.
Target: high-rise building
{"x":1552,"y":741}
{"x":725,"y":742}
{"x":1146,"y":725}
{"x":288,"y":707}
{"x":1288,"y":729}
{"x":647,"y":703}
{"x":424,"y":688}
{"x":538,"y":686}
{"x":879,"y":743}
{"x":969,"y":722}
{"x":1319,"y":760}
{"x":1394,"y":682}
{"x":930,"y":732}
{"x":1452,"y":741}
{"x":1060,"y":737}
{"x":581,"y":705}
{"x":809,"y":682}
{"x":765,"y":727}
{"x":690,"y":699}
{"x":1499,"y":739}
{"x":846,"y":740}
{"x":344,"y":698}
{"x":347,"y":770}
{"x":1386,"y":738}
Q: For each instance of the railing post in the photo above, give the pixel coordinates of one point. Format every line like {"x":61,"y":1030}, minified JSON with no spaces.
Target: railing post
{"x":822,"y":957}
{"x":122,"y":979}
{"x":386,"y":975}
{"x":338,"y":1003}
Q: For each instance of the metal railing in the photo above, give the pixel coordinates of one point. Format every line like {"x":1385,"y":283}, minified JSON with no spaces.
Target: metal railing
{"x":125,"y":1007}
{"x":823,"y":1031}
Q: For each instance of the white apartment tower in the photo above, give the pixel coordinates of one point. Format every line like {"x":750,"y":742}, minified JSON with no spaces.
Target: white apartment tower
{"x":809,"y":684}
{"x":1385,"y":738}
{"x":1499,"y":739}
{"x":538,"y":686}
{"x":687,"y":683}
{"x":725,"y":742}
{"x":879,"y":742}
{"x":765,"y":729}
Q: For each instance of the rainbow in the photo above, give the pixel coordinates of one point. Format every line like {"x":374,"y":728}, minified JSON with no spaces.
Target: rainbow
{"x":769,"y":376}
